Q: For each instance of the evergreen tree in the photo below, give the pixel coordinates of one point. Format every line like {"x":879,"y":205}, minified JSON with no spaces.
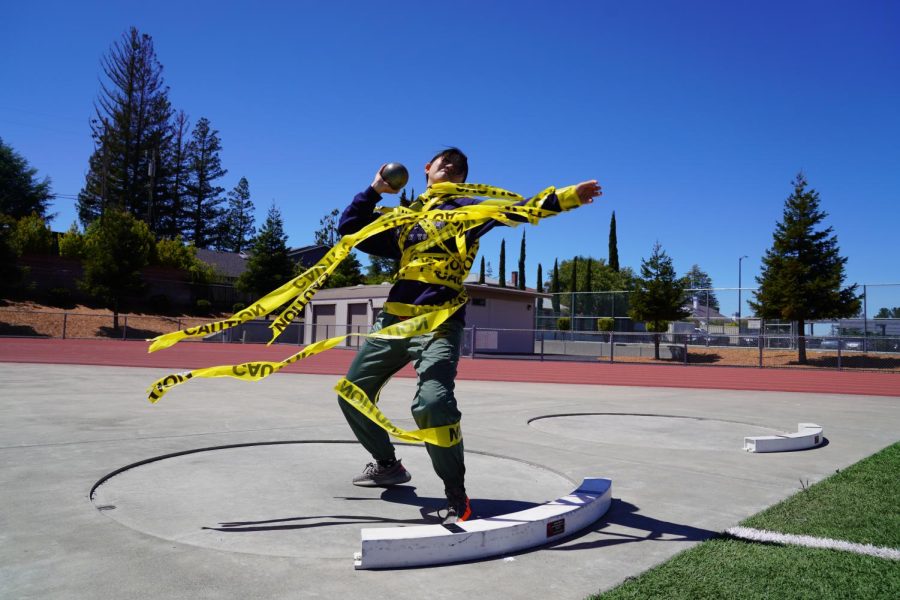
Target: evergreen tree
{"x":613,"y":245}
{"x":587,"y":302}
{"x":21,"y":194}
{"x":658,"y":295}
{"x":521,"y":282}
{"x":116,"y":246}
{"x":203,"y":198}
{"x":238,"y":229}
{"x":573,"y":287}
{"x":348,"y":273}
{"x":803,"y":271}
{"x":327,"y":233}
{"x":172,"y":220}
{"x":131,"y":131}
{"x":481,"y":272}
{"x":888,"y":313}
{"x":502,"y":274}
{"x":554,"y":288}
{"x":540,"y":288}
{"x":269,"y":265}
{"x":381,"y":269}
{"x":698,"y":279}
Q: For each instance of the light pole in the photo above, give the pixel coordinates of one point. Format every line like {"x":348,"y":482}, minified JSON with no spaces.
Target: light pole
{"x":739,"y":290}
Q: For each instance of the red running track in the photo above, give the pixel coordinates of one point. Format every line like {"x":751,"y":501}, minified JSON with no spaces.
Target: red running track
{"x":192,"y":355}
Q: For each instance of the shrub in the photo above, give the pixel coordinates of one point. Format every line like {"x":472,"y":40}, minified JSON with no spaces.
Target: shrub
{"x":564,"y":323}
{"x":71,"y":243}
{"x":605,"y":323}
{"x":32,"y":236}
{"x":204,"y":306}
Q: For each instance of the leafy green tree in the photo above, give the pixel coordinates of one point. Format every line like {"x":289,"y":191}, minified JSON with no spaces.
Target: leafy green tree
{"x":573,"y":287}
{"x":327,"y":233}
{"x":21,"y":194}
{"x":602,"y":279}
{"x":203,"y":197}
{"x":269,"y":265}
{"x":178,"y":255}
{"x":521,"y":281}
{"x":698,"y":279}
{"x":658,"y":295}
{"x":888,"y":313}
{"x":117,"y":247}
{"x":32,"y":236}
{"x":71,"y":243}
{"x":348,"y":273}
{"x":502,"y":274}
{"x":587,"y":303}
{"x":803,"y":271}
{"x":131,"y":131}
{"x":381,"y":269}
{"x":237,"y":223}
{"x":554,"y":287}
{"x":481,"y":272}
{"x":613,"y":244}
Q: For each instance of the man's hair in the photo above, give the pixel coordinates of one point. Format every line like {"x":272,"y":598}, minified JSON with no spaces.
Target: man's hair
{"x":456,"y":156}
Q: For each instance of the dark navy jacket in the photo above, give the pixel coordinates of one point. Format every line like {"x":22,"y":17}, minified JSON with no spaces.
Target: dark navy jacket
{"x":361,"y":212}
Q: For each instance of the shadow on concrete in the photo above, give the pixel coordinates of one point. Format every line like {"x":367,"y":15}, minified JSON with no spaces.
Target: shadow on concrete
{"x":429,"y":507}
{"x":626,"y":514}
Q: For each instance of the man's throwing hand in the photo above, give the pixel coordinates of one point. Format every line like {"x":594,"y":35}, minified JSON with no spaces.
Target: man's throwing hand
{"x":588,"y":190}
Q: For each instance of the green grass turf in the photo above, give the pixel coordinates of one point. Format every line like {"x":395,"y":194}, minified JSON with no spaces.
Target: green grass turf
{"x":859,"y":504}
{"x":726,"y":568}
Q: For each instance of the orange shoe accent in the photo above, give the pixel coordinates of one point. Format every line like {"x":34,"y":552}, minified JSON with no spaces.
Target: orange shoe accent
{"x":466,"y":513}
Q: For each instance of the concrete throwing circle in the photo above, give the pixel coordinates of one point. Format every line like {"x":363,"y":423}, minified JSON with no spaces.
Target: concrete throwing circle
{"x":670,"y":432}
{"x":295,"y":498}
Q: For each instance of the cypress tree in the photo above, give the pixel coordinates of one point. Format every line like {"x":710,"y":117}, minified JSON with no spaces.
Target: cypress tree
{"x":613,"y":244}
{"x":521,"y":282}
{"x":481,"y":272}
{"x":554,"y":287}
{"x":540,"y":288}
{"x":803,"y":271}
{"x":502,"y":274}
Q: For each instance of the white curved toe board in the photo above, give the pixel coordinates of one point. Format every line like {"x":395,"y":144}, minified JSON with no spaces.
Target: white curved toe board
{"x":421,"y":545}
{"x":809,"y":435}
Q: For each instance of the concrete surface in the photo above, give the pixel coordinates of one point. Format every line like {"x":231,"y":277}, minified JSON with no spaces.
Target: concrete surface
{"x":282,"y":519}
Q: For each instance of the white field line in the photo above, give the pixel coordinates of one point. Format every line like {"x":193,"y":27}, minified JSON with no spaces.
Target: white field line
{"x":761,"y":535}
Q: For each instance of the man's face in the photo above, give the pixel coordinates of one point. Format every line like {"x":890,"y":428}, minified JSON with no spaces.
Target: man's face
{"x":442,"y":169}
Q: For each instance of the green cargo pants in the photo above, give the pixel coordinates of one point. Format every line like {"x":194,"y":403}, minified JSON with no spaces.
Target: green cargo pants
{"x":435,"y":356}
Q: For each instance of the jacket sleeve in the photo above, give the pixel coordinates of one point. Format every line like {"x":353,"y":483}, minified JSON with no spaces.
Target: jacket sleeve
{"x":360,"y":213}
{"x":561,"y":200}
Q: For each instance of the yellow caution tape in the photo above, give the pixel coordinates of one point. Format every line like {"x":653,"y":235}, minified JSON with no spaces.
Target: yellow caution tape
{"x":422,"y":261}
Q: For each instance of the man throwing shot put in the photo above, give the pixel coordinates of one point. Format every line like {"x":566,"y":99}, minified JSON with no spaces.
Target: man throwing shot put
{"x":434,"y":354}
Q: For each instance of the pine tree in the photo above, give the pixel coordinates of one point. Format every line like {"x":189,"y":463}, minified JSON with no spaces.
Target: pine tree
{"x":658,"y":295}
{"x":269,"y":265}
{"x":131,"y":131}
{"x":327,"y":233}
{"x":502,"y":274}
{"x":554,"y":288}
{"x":172,"y":181}
{"x":521,"y":282}
{"x":203,"y":197}
{"x":698,"y":279}
{"x":481,"y":272}
{"x":381,"y":269}
{"x":20,"y":193}
{"x":613,"y":244}
{"x":803,"y":271}
{"x":238,"y":229}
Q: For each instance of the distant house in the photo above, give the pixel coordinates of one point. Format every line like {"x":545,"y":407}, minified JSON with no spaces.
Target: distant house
{"x":307,"y":256}
{"x":229,"y":264}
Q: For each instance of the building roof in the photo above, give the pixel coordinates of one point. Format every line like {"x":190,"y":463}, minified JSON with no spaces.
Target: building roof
{"x":229,"y":264}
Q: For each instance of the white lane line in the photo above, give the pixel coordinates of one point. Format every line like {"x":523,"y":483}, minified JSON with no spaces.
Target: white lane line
{"x":761,"y":535}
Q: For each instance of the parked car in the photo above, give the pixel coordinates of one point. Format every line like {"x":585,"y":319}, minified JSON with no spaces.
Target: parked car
{"x":834,"y":344}
{"x":699,"y":336}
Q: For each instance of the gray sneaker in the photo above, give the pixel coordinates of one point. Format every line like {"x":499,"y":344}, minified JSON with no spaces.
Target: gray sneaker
{"x":374,"y":475}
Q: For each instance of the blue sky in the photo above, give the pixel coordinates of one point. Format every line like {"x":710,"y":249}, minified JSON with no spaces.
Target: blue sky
{"x":695,"y":116}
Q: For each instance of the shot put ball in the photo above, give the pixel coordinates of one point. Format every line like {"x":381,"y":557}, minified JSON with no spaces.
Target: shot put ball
{"x":395,"y":175}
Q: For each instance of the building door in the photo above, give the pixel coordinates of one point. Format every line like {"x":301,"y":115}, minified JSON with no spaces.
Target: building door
{"x":357,"y":322}
{"x":323,"y":322}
